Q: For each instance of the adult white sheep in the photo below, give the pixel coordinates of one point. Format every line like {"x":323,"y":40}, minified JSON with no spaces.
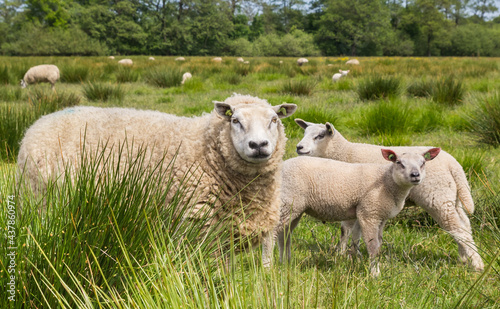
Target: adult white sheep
{"x":217,"y":59}
{"x":231,"y":158}
{"x":445,"y":194}
{"x":185,"y":77}
{"x":151,"y":58}
{"x":111,"y":57}
{"x":353,"y":61}
{"x":180,"y":59}
{"x":126,"y":62}
{"x":301,"y":61}
{"x":331,"y":190}
{"x":44,"y":73}
{"x":240,"y":59}
{"x":336,"y":77}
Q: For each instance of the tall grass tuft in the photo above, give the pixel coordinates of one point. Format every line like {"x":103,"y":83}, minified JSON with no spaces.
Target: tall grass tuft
{"x":5,"y":76}
{"x":231,"y":78}
{"x":164,"y":78}
{"x":448,"y":91}
{"x":9,"y":94}
{"x":116,"y":221}
{"x":303,"y":87}
{"x":485,"y":121}
{"x":95,"y":91}
{"x":74,"y":74}
{"x":127,"y":75}
{"x":379,"y":87}
{"x":242,"y":69}
{"x":387,"y":118}
{"x":420,"y":89}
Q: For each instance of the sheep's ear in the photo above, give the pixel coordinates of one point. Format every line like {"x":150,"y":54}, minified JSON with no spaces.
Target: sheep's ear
{"x":224,"y":109}
{"x":303,"y":124}
{"x":284,"y":110}
{"x":330,"y":129}
{"x":431,"y":153}
{"x":340,"y":71}
{"x":389,"y":155}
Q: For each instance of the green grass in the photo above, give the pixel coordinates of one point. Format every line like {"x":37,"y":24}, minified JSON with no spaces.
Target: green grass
{"x":484,"y":122}
{"x":379,"y":87}
{"x":448,"y":91}
{"x":164,"y":77}
{"x":301,"y":87}
{"x":95,"y":91}
{"x":120,"y":249}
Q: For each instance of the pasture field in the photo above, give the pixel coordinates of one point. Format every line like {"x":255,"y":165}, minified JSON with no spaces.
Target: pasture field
{"x":112,"y":247}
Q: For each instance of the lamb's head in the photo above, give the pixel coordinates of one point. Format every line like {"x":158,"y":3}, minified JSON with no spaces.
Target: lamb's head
{"x":344,"y":73}
{"x":409,"y":168}
{"x":316,"y":138}
{"x":254,"y":128}
{"x":23,"y":83}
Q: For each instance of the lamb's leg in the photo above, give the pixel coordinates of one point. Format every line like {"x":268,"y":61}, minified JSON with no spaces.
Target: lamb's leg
{"x":345,"y":231}
{"x":285,"y":238}
{"x":370,"y":231}
{"x":453,"y":219}
{"x":356,"y":235}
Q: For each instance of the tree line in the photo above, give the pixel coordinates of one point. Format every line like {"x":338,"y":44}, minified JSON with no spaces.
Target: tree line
{"x":250,"y":27}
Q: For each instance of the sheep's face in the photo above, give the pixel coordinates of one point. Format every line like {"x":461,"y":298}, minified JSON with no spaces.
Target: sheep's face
{"x":23,"y":83}
{"x":316,"y":137}
{"x":409,"y":168}
{"x":254,"y":129}
{"x":344,"y":73}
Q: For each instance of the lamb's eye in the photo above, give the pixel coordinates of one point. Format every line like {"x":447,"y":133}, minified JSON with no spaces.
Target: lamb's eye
{"x":235,"y":120}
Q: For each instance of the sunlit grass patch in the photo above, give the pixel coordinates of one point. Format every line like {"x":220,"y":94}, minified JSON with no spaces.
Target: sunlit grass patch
{"x":164,"y":78}
{"x":484,"y":122}
{"x":303,"y":87}
{"x":96,"y":91}
{"x":379,"y":87}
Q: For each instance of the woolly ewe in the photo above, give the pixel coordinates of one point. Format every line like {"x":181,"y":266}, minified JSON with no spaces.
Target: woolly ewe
{"x":185,"y":77}
{"x":336,"y":77}
{"x":301,"y":61}
{"x":217,"y":59}
{"x":332,"y":190}
{"x":44,"y":73}
{"x":230,"y":160}
{"x":353,"y":61}
{"x":126,"y":62}
{"x":445,"y":194}
{"x":180,"y":59}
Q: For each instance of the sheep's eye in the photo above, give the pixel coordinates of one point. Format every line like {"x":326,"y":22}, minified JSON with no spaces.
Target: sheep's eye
{"x":320,"y":136}
{"x":235,"y":120}
{"x":400,"y":164}
{"x":274,"y":120}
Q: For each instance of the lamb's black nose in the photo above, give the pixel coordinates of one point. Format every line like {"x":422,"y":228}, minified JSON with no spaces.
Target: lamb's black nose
{"x":415,"y":174}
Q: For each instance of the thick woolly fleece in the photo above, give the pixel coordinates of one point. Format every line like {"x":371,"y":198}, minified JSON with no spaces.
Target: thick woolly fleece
{"x":44,"y":73}
{"x":245,"y":194}
{"x":445,"y":193}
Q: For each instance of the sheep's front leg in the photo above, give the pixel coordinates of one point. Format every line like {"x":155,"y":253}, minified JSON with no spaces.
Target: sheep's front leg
{"x":267,"y":249}
{"x":370,"y":232}
{"x":345,"y":231}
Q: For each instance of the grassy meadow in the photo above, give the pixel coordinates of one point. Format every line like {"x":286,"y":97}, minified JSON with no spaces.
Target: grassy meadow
{"x":113,"y":246}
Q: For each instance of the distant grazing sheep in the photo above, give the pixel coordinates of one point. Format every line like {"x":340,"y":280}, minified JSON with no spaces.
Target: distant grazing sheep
{"x":185,"y":77}
{"x":239,"y":59}
{"x":331,"y":190}
{"x":445,"y":194}
{"x":180,"y":59}
{"x":301,"y":61}
{"x":246,"y":62}
{"x":126,"y":62}
{"x":228,"y":160}
{"x":151,"y":58}
{"x":336,"y":77}
{"x":217,"y":59}
{"x":111,"y":57}
{"x":353,"y":61}
{"x":44,"y":73}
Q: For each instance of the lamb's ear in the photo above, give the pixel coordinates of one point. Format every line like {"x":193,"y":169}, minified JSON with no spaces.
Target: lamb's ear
{"x":389,"y":155}
{"x":284,"y":110}
{"x":223,"y":109}
{"x":303,"y":124}
{"x":340,"y":71}
{"x":329,"y":128}
{"x":431,"y":153}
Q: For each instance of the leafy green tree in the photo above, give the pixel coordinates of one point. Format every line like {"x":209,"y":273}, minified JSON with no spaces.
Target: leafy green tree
{"x":483,"y":7}
{"x":52,"y":13}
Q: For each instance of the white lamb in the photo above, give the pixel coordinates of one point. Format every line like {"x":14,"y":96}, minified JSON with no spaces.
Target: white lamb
{"x":180,"y":59}
{"x":230,"y":159}
{"x":44,"y":73}
{"x":353,"y":61}
{"x":336,"y":77}
{"x":445,"y":194}
{"x":331,"y":190}
{"x":126,"y":62}
{"x":185,"y":77}
{"x":301,"y":61}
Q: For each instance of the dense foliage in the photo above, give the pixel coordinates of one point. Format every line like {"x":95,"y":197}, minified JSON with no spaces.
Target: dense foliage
{"x":250,"y":27}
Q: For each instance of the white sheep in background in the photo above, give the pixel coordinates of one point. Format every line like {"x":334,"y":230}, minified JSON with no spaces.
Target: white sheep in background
{"x":126,"y":62}
{"x":445,"y":194}
{"x":180,"y":59}
{"x":44,"y":73}
{"x":353,"y":61}
{"x":336,"y":77}
{"x":185,"y":77}
{"x":151,"y":58}
{"x":229,"y":160}
{"x":217,"y":59}
{"x":239,"y":59}
{"x":331,"y":190}
{"x":301,"y":61}
{"x":111,"y":57}
{"x":246,"y":62}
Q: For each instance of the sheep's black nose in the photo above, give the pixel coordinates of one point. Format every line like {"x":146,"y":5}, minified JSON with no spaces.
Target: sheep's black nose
{"x":254,"y":145}
{"x":415,"y":174}
{"x":299,"y":147}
